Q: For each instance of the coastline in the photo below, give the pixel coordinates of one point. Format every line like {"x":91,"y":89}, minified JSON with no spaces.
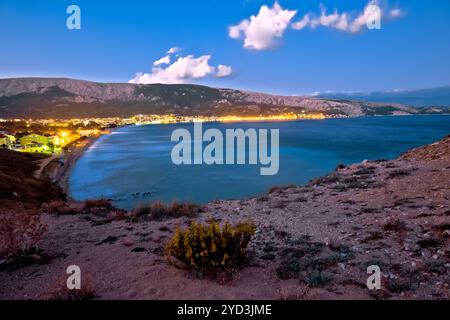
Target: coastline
{"x":391,"y":213}
{"x":58,"y":170}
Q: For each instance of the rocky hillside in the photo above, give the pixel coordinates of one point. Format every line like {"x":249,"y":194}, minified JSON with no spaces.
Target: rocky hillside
{"x":18,"y":186}
{"x":65,"y":98}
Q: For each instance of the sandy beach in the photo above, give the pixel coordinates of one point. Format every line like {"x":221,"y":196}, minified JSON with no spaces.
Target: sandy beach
{"x":58,"y":168}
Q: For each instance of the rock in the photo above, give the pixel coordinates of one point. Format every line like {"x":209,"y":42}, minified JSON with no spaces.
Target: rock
{"x":127,"y":242}
{"x":107,"y":240}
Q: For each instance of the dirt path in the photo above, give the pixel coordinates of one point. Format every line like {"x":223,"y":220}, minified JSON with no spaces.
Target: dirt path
{"x":43,"y":164}
{"x":57,"y":168}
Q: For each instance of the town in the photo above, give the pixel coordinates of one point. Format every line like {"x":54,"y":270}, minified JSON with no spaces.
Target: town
{"x":52,"y":136}
{"x":45,"y":136}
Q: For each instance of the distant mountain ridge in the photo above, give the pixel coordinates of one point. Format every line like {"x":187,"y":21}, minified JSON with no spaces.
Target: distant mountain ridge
{"x":439,"y":97}
{"x":71,"y":98}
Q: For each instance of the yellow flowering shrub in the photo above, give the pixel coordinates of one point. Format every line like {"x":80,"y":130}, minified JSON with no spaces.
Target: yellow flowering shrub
{"x":211,"y":247}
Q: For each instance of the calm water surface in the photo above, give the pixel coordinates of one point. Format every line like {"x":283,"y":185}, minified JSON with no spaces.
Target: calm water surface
{"x":136,"y":159}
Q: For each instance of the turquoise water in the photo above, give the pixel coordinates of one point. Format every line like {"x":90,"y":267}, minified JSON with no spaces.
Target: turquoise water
{"x":133,"y":164}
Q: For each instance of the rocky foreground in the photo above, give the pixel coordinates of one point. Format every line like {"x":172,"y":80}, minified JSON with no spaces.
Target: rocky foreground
{"x":312,"y":242}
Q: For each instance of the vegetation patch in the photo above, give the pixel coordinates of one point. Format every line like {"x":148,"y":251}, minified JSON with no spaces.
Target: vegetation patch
{"x":394,"y":225}
{"x":332,"y":178}
{"x":398,"y":173}
{"x":281,"y":189}
{"x":262,"y":198}
{"x":98,"y":205}
{"x":365,"y":171}
{"x":429,"y":243}
{"x":20,"y":233}
{"x":309,"y":261}
{"x":59,"y":208}
{"x":400,"y":285}
{"x":211,"y":248}
{"x":317,"y":279}
{"x":373,"y":236}
{"x":62,"y":293}
{"x":160,"y":211}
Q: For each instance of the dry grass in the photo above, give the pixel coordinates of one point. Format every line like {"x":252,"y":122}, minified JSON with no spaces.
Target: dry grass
{"x":98,"y":204}
{"x":281,"y":189}
{"x":394,"y":225}
{"x":102,"y":211}
{"x":61,"y":292}
{"x":160,"y":211}
{"x":59,"y":208}
{"x":20,"y":231}
{"x":398,"y":173}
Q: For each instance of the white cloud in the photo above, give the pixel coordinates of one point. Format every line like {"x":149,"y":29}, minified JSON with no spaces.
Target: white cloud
{"x":346,"y":21}
{"x":163,"y":60}
{"x":223,"y":71}
{"x":299,"y":25}
{"x":183,"y":69}
{"x":173,"y":50}
{"x":261,"y":31}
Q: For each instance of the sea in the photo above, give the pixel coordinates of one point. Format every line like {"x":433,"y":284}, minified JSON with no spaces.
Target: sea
{"x":132,"y":166}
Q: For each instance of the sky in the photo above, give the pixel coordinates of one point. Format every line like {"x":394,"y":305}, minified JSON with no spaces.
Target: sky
{"x":289,"y":47}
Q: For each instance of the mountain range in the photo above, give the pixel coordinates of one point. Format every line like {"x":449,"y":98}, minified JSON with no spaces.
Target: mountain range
{"x":420,"y":98}
{"x":71,"y":98}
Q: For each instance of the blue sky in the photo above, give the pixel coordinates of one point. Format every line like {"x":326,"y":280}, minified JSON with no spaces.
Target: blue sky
{"x":120,"y":38}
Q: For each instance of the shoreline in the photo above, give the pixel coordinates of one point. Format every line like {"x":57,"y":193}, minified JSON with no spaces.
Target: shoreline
{"x":60,"y":174}
{"x":58,"y":170}
{"x":391,"y":213}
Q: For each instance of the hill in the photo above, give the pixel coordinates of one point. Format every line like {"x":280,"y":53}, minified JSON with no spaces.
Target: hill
{"x":419,"y":98}
{"x":69,"y":98}
{"x":18,"y":186}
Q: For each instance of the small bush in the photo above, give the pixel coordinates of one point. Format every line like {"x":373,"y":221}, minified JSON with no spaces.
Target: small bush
{"x":373,"y":236}
{"x":98,"y":205}
{"x":291,"y":264}
{"x":400,"y":285}
{"x":318,"y":279}
{"x":398,"y":173}
{"x":281,"y":189}
{"x":331,"y":178}
{"x":429,"y":243}
{"x":364,"y":171}
{"x":20,"y":232}
{"x":205,"y":248}
{"x":262,"y":198}
{"x":158,"y":211}
{"x":394,"y":225}
{"x":59,"y":208}
{"x":62,"y":293}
